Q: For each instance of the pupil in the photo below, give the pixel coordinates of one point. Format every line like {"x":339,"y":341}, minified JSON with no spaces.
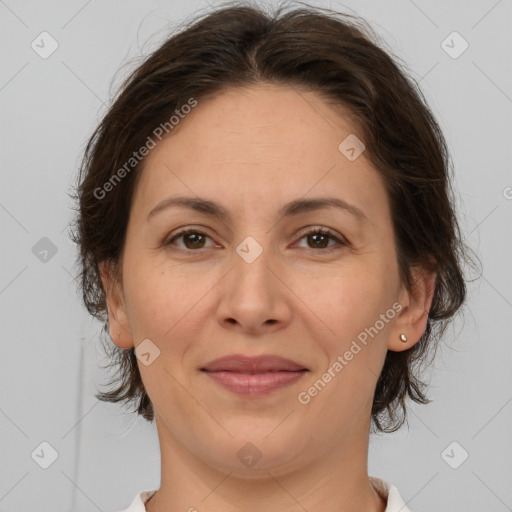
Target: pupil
{"x":194,"y":237}
{"x":314,"y":237}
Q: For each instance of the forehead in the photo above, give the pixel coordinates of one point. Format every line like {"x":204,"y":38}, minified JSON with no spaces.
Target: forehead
{"x":277,"y":118}
{"x":260,"y":143}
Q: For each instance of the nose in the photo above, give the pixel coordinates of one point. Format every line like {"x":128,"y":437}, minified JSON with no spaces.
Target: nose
{"x":253,"y":296}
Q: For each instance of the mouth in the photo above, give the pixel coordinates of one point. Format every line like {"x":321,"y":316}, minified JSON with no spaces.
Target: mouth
{"x":254,"y":376}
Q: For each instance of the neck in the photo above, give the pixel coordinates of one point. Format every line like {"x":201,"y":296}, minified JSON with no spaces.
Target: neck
{"x":336,"y":481}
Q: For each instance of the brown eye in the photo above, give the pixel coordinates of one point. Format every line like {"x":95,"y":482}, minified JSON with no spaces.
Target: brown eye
{"x":192,"y":239}
{"x":318,"y":239}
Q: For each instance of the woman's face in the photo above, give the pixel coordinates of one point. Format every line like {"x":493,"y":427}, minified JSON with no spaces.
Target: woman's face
{"x":261,"y":280}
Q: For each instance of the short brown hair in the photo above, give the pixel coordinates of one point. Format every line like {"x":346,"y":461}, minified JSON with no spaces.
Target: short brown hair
{"x":337,"y":56}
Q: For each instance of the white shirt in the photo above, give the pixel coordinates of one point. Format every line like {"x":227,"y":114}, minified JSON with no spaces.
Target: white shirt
{"x":386,"y":490}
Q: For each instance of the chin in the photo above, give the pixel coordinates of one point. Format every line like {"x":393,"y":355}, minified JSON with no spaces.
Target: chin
{"x":253,"y":455}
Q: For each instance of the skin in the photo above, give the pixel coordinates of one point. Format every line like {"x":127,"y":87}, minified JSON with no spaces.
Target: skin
{"x":253,"y":150}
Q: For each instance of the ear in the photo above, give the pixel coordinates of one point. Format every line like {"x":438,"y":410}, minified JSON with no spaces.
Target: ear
{"x":416,"y":302}
{"x":119,"y":326}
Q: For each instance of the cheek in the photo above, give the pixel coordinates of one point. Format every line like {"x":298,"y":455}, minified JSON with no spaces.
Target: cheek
{"x":355,"y":345}
{"x":343,"y":302}
{"x":156,"y":302}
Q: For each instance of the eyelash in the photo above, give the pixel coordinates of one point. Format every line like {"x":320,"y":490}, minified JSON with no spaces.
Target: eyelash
{"x":315,"y":230}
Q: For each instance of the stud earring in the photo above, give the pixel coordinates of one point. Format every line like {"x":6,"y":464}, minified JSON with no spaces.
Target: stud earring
{"x":403,"y":337}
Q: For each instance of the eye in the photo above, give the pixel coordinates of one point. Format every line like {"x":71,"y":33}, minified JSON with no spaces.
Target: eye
{"x":193,"y":238}
{"x":318,"y":237}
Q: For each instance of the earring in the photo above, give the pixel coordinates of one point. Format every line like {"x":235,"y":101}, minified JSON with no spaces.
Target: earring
{"x":403,"y":337}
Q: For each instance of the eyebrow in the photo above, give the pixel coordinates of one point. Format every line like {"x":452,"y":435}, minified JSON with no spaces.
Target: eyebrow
{"x":293,"y":208}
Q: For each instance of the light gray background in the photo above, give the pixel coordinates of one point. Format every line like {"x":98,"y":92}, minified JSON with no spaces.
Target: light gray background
{"x":50,"y":354}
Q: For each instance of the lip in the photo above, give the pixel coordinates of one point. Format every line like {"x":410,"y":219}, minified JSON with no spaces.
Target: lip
{"x":254,"y":376}
{"x":256,"y":364}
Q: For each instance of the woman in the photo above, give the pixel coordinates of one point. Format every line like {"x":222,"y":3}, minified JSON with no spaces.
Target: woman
{"x":266,"y":227}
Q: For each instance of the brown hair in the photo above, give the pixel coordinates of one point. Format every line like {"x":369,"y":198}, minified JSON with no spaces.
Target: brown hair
{"x":335,"y":55}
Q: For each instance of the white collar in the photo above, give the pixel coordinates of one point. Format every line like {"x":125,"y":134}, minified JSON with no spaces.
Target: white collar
{"x":386,"y":490}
